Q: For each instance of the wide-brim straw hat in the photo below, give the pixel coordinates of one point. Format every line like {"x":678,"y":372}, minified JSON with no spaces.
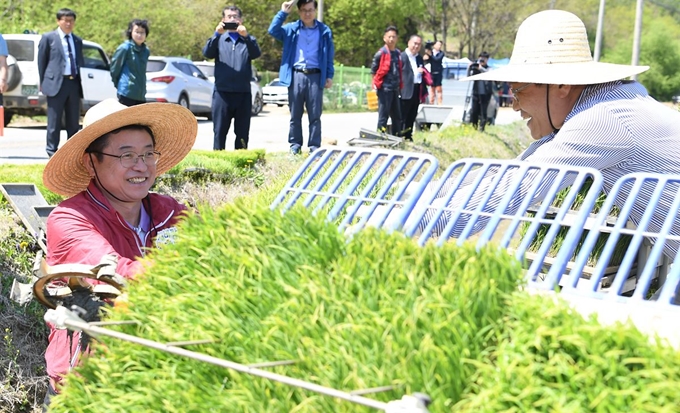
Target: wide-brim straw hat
{"x":174,"y":129}
{"x":551,"y":47}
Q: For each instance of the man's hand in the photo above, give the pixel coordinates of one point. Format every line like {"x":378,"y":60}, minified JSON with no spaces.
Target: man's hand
{"x":242,"y":31}
{"x":287,"y":6}
{"x":220,"y":29}
{"x":329,"y":83}
{"x":3,"y":86}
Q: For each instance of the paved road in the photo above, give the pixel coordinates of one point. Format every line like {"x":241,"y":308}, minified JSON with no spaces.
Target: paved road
{"x":269,"y":130}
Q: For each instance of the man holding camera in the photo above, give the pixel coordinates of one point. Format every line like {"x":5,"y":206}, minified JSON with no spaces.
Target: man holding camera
{"x":233,"y":50}
{"x":481,"y":92}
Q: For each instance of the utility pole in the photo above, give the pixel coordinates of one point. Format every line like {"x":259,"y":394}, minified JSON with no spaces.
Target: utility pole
{"x":637,"y":35}
{"x":598,"y":35}
{"x":319,"y":14}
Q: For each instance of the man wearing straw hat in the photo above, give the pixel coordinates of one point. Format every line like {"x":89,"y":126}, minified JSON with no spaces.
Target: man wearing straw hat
{"x":107,"y":170}
{"x":582,"y":113}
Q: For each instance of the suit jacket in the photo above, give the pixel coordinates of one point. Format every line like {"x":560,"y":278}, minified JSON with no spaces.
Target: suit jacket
{"x":51,"y":61}
{"x":407,"y":77}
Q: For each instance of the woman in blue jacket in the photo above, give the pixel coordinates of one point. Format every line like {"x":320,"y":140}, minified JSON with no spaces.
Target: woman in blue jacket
{"x":128,"y":66}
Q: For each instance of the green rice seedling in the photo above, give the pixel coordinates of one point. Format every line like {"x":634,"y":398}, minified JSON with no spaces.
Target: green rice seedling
{"x":550,"y":359}
{"x":371,"y":311}
{"x":538,"y":240}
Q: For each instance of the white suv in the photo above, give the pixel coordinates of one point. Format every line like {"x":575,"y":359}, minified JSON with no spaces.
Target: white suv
{"x":23,"y":96}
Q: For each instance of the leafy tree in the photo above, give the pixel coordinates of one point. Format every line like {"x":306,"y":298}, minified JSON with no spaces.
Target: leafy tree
{"x":660,"y":51}
{"x":485,"y":25}
{"x":181,"y":27}
{"x":358,"y":26}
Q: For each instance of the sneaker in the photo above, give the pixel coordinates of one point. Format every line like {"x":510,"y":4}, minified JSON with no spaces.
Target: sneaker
{"x":295,"y":150}
{"x":313,"y":148}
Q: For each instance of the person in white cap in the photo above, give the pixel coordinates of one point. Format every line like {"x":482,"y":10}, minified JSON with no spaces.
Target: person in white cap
{"x":107,"y":170}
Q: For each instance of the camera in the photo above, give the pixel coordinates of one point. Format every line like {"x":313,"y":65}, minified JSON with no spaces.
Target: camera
{"x":230,"y":25}
{"x":474,"y":69}
{"x":429,"y":44}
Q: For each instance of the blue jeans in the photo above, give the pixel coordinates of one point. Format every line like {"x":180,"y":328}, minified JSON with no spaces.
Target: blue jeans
{"x":305,"y":90}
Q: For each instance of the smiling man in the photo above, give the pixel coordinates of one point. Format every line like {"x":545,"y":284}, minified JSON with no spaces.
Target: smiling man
{"x":581,"y":112}
{"x":107,"y":170}
{"x":585,"y":114}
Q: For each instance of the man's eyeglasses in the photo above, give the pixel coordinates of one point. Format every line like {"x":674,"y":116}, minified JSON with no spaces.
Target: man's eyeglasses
{"x":312,"y":10}
{"x":129,"y":159}
{"x":515,"y":91}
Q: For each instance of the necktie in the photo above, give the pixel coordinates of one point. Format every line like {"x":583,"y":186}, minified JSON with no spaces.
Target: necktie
{"x":74,"y":72}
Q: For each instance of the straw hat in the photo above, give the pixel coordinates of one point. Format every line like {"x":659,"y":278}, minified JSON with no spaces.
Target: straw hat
{"x":174,"y":129}
{"x":552,"y":47}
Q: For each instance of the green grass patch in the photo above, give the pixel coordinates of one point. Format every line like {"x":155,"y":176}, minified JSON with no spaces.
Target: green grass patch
{"x":31,"y":174}
{"x":456,"y":142}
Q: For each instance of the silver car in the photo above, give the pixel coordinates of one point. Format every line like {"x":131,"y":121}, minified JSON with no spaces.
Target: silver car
{"x":255,"y":90}
{"x":178,"y":80}
{"x":275,"y":93}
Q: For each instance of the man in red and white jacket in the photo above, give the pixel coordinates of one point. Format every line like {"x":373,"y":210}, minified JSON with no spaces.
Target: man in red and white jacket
{"x":107,"y":170}
{"x":386,"y":69}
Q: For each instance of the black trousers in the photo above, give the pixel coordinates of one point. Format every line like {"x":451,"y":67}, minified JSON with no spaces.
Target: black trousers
{"x":478,"y":110}
{"x":225,"y":107}
{"x":124,"y":100}
{"x":389,"y":106}
{"x":409,"y":111}
{"x":66,"y":101}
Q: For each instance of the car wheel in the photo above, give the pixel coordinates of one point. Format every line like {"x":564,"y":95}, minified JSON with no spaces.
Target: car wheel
{"x":8,"y":117}
{"x":279,"y":104}
{"x":257,"y":105}
{"x":13,"y":73}
{"x":183,"y":101}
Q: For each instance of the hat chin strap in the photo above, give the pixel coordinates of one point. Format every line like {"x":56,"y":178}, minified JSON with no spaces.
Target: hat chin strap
{"x":96,"y":175}
{"x":547,"y":108}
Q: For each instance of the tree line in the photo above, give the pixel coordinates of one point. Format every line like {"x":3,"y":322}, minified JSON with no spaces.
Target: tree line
{"x":466,"y":27}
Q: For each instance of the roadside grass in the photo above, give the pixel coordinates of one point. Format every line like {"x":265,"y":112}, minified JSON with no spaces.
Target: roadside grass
{"x":205,"y":180}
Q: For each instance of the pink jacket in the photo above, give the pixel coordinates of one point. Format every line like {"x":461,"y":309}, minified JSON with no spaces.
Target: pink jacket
{"x":84,"y":228}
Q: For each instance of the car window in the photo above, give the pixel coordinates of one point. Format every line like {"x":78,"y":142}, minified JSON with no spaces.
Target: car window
{"x":207,"y":70}
{"x":275,"y":83}
{"x":183,"y":67}
{"x":95,"y":58}
{"x":155,"y":65}
{"x":198,"y":73}
{"x":22,"y":50}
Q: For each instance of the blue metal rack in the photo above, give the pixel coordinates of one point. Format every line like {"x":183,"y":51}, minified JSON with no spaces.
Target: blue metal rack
{"x":514,"y":204}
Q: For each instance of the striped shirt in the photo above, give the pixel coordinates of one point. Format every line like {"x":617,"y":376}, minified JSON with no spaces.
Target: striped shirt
{"x":616,"y":128}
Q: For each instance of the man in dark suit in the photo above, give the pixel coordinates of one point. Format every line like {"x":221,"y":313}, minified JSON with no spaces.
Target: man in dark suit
{"x":60,"y":57}
{"x":481,"y":92}
{"x":412,"y":76}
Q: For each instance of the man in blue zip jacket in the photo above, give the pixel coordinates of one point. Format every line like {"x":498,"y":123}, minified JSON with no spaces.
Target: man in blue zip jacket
{"x":306,"y":68}
{"x":233,"y":50}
